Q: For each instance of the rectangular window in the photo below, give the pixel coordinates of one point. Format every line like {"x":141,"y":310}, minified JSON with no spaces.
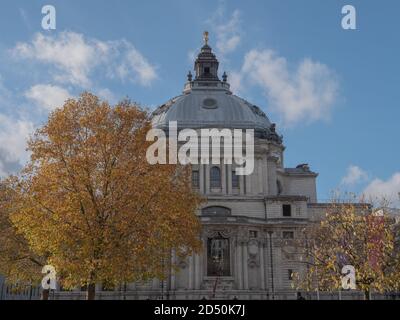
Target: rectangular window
{"x":215,"y":177}
{"x":235,"y":180}
{"x":218,"y":257}
{"x":288,"y":235}
{"x":253,"y":234}
{"x":206,"y":70}
{"x":290,"y":274}
{"x":195,"y":179}
{"x":287,"y":210}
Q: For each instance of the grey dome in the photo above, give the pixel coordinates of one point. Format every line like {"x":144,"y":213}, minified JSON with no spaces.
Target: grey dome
{"x":210,"y":109}
{"x":207,"y":102}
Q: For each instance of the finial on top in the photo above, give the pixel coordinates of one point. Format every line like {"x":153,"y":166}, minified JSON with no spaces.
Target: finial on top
{"x":205,"y":37}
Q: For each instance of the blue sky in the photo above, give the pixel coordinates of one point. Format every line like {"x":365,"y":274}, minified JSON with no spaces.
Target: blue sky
{"x":333,"y":93}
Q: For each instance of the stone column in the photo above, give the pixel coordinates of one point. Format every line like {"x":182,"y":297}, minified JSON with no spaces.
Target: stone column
{"x":155,"y":284}
{"x":229,"y":173}
{"x":265,"y":176}
{"x":241,"y":184}
{"x":272,"y":176}
{"x":235,"y":262}
{"x":249,"y":187}
{"x":197,"y":272}
{"x":207,"y":173}
{"x":277,"y":262}
{"x":266,"y":265}
{"x":223,"y":177}
{"x":260,"y":176}
{"x":201,"y":178}
{"x":173,"y":272}
{"x":273,"y":276}
{"x":245,"y":268}
{"x":202,"y":269}
{"x":239,"y":265}
{"x":190,"y":273}
{"x":262,"y":266}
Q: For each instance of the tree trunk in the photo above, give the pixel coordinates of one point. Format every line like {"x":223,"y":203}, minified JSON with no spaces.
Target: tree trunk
{"x":91,"y":292}
{"x":45,"y":294}
{"x":366,"y":295}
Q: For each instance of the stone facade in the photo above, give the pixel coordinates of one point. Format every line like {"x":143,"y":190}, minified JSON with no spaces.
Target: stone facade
{"x":249,"y":222}
{"x":258,"y":215}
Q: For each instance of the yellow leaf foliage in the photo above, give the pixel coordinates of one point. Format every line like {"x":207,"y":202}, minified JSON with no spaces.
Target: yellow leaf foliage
{"x":351,"y":234}
{"x":92,"y":205}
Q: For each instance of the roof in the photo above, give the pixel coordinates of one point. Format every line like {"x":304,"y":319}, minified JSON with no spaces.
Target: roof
{"x":207,"y":102}
{"x":210,"y":108}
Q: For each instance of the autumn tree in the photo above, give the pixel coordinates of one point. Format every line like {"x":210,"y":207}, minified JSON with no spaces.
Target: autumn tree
{"x":350,"y":234}
{"x":18,"y":263}
{"x":91,"y":204}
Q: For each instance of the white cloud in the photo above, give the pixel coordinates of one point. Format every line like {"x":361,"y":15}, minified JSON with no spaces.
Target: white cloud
{"x":13,"y":137}
{"x":354,"y":175}
{"x":227,"y":30}
{"x":69,"y":52}
{"x":14,"y":132}
{"x":228,"y":34}
{"x":133,"y":64}
{"x":305,"y":95}
{"x":107,"y":94}
{"x":74,"y":57}
{"x":47,"y":96}
{"x":5,"y":94}
{"x":235,"y":81}
{"x":389,"y":189}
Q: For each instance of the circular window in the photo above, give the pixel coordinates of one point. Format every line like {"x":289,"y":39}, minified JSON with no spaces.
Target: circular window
{"x":209,"y":103}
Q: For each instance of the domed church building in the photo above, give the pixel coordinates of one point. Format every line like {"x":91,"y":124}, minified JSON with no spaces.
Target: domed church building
{"x":249,"y":222}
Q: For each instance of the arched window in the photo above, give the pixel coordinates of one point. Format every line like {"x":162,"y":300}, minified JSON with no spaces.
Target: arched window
{"x":216,"y":211}
{"x":215,"y":177}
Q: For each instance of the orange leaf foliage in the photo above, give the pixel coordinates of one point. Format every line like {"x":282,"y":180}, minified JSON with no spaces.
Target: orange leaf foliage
{"x":91,"y":203}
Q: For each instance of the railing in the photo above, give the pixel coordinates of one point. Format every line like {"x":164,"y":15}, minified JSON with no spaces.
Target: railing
{"x":8,"y":292}
{"x":34,"y":294}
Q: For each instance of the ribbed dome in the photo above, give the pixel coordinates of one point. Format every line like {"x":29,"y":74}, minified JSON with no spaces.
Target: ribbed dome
{"x":210,"y":108}
{"x":207,"y":102}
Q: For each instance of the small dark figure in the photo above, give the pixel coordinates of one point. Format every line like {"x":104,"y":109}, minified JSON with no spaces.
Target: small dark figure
{"x":299,"y":296}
